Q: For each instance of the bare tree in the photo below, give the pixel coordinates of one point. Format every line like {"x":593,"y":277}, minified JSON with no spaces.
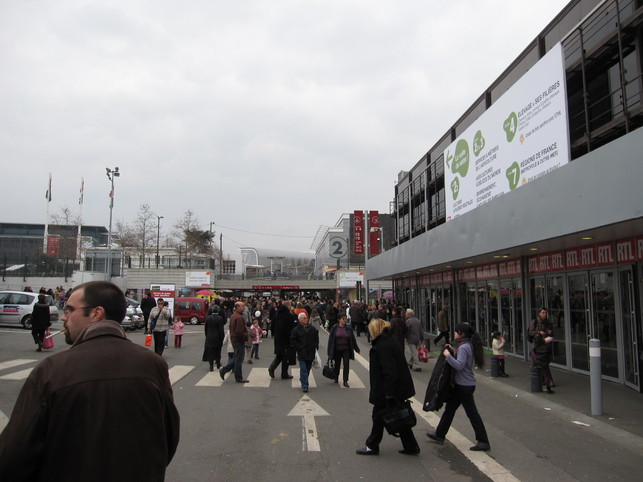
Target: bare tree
{"x":139,"y":236}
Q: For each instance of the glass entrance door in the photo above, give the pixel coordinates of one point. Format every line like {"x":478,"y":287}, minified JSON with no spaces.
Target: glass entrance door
{"x":604,"y":320}
{"x":578,"y":289}
{"x":630,"y":334}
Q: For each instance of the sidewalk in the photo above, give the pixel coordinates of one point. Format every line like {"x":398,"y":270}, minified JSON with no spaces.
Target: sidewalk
{"x":622,"y":406}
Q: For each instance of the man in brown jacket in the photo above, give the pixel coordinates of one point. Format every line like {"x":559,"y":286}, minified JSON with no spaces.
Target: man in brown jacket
{"x":80,"y":405}
{"x":238,"y":337}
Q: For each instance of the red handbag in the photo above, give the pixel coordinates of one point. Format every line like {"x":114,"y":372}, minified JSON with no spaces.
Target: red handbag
{"x":423,"y":354}
{"x":148,"y":340}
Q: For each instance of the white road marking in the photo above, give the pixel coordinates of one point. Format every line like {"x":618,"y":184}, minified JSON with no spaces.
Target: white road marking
{"x":481,"y":460}
{"x":21,"y":375}
{"x":179,"y":371}
{"x":258,"y":378}
{"x":354,"y":381}
{"x":307,"y":409}
{"x":211,"y":379}
{"x":14,"y":363}
{"x":4,"y":420}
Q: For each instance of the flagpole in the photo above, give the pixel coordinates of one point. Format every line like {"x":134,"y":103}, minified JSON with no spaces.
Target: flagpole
{"x":46,"y":235}
{"x":80,"y":223}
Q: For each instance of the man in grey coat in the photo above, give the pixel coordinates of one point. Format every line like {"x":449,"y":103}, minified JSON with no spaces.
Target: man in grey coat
{"x":414,"y":336}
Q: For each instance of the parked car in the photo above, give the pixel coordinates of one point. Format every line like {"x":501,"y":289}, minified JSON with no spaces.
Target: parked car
{"x":133,"y":316}
{"x":191,"y":310}
{"x":16,"y":307}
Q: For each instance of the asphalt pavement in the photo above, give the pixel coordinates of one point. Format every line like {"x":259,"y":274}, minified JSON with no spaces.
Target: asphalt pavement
{"x":260,"y":431}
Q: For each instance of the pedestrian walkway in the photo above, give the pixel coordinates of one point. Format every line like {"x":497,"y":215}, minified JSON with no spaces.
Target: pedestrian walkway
{"x":622,"y":406}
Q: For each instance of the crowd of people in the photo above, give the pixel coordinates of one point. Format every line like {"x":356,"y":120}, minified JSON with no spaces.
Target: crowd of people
{"x":89,"y":313}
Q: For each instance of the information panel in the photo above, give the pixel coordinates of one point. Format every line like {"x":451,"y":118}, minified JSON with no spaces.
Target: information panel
{"x":521,"y":137}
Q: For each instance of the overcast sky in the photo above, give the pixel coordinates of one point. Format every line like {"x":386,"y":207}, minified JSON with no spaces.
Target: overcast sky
{"x":268,"y":116}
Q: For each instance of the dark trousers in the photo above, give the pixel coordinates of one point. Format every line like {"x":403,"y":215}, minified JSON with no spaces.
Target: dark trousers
{"x":283,"y":359}
{"x":38,"y":336}
{"x":344,"y":357}
{"x":443,"y":334}
{"x":462,"y":395}
{"x":377,"y":432}
{"x":239,"y":355}
{"x":159,"y":341}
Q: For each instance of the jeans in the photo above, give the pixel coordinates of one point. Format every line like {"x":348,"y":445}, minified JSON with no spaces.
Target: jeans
{"x":304,"y":370}
{"x":239,"y":354}
{"x":462,"y":395}
{"x":177,"y":341}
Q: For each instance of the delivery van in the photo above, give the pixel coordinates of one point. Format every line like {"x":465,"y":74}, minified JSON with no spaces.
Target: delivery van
{"x":191,"y":310}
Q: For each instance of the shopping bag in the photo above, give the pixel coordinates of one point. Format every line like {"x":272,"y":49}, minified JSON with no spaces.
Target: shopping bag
{"x":48,"y":342}
{"x":423,"y":354}
{"x":317,"y":361}
{"x":148,"y":340}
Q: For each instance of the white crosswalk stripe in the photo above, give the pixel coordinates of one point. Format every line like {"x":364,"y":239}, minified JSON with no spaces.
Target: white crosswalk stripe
{"x":4,"y":420}
{"x":21,"y":375}
{"x":211,"y":379}
{"x":179,"y":371}
{"x":258,"y":378}
{"x":14,"y":363}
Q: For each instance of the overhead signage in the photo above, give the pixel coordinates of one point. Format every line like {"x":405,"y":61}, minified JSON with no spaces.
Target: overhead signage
{"x":337,"y":247}
{"x":358,"y":232}
{"x":521,"y":137}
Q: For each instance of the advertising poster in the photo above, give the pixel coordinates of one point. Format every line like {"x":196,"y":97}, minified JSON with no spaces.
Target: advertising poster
{"x":521,"y":137}
{"x":197,"y":279}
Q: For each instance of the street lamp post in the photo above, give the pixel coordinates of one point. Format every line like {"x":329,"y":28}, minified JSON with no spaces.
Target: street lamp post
{"x":158,"y":235}
{"x":111,"y":174}
{"x":212,"y":233}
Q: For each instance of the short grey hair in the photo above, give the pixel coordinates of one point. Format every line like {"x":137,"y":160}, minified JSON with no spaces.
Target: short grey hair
{"x":409,"y":311}
{"x":302,"y":315}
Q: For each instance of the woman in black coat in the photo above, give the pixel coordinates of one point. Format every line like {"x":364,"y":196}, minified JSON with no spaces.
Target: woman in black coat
{"x":40,"y":320}
{"x":214,"y":333}
{"x":342,"y":346}
{"x":285,"y":321}
{"x":391,"y":384}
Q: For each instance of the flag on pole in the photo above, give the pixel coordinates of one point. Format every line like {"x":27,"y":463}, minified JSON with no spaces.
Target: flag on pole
{"x":48,"y":193}
{"x":82,"y":190}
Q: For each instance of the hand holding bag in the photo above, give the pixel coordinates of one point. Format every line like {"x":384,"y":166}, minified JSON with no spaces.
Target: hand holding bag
{"x":329,"y":370}
{"x":398,"y":417}
{"x":423,"y":354}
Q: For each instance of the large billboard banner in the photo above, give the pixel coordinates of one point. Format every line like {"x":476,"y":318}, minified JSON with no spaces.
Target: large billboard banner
{"x":521,"y":137}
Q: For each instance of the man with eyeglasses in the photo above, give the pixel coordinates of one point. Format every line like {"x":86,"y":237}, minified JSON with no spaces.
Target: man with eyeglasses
{"x":104,"y":392}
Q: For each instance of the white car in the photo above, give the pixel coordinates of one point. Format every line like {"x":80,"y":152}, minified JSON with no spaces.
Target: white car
{"x":16,"y":307}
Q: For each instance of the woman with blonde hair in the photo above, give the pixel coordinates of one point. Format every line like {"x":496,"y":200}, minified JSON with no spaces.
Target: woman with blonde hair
{"x":391,"y":384}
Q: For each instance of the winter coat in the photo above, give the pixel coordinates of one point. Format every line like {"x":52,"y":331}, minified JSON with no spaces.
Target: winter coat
{"x":305,"y":340}
{"x":105,"y":392}
{"x":283,"y":325}
{"x":352,"y":341}
{"x":40,"y":318}
{"x":161,"y":318}
{"x":214,"y":334}
{"x":389,"y":373}
{"x":414,"y":333}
